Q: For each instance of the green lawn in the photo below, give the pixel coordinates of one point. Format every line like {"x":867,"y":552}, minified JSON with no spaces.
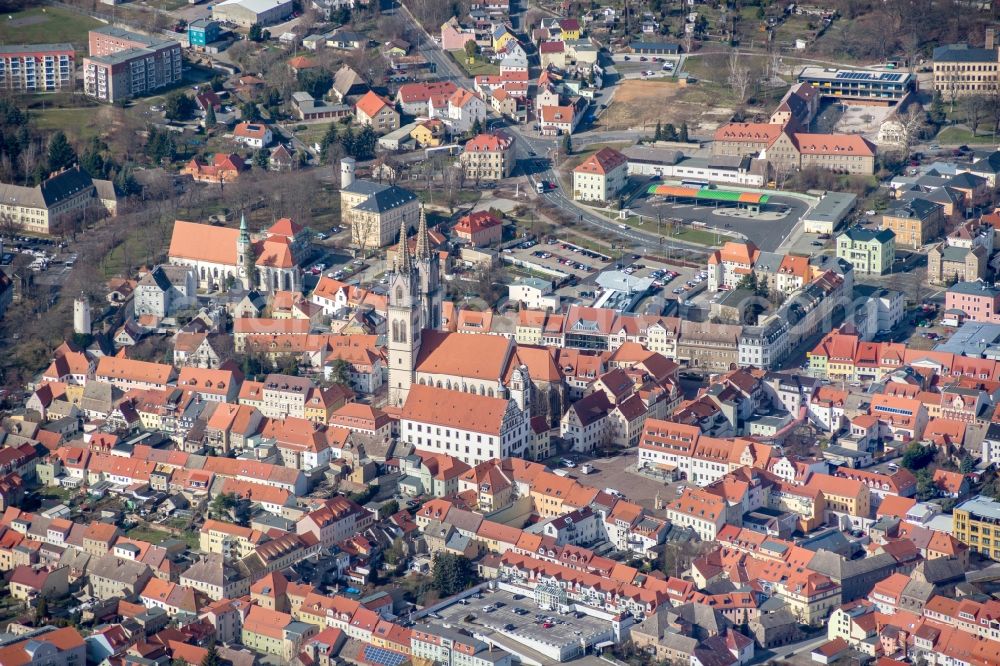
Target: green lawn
{"x":78,"y":124}
{"x":437,"y":197}
{"x":148,"y":534}
{"x":475,"y":69}
{"x":699,"y":236}
{"x":314,"y":133}
{"x":959,"y":136}
{"x":46,"y":25}
{"x":687,"y":234}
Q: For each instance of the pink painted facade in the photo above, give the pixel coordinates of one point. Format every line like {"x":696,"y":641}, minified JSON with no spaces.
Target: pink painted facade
{"x":454,"y":36}
{"x":979,"y":301}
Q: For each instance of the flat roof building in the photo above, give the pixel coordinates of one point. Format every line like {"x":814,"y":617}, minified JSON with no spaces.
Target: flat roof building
{"x":37,"y":67}
{"x":827,"y":215}
{"x":859,"y":84}
{"x":245,"y":13}
{"x":124,"y":64}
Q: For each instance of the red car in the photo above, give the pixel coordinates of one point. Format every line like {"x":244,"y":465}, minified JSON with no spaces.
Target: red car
{"x":548,"y":625}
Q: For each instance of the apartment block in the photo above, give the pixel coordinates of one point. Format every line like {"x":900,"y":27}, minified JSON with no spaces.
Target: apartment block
{"x":37,"y":67}
{"x":125,"y":64}
{"x":976,"y":523}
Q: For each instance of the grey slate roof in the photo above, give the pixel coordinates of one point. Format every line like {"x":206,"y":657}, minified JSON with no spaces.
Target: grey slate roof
{"x":915,"y":209}
{"x":858,"y":235}
{"x":962,"y":53}
{"x":385,"y":200}
{"x":368,"y":187}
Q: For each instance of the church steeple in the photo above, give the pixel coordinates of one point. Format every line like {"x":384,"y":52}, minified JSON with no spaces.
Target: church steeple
{"x":423,"y":240}
{"x":244,"y":255}
{"x":404,"y":263}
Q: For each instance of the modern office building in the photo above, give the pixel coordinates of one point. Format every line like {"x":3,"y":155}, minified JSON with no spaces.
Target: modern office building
{"x":37,"y":67}
{"x":859,"y":84}
{"x":124,"y":64}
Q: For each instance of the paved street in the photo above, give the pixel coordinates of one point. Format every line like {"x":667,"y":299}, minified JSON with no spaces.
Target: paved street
{"x":526,"y":143}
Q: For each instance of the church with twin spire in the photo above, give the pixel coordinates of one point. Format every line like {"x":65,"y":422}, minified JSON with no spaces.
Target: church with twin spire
{"x":414,"y":304}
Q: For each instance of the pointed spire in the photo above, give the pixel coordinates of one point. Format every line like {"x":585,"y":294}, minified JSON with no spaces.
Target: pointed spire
{"x":403,"y":262}
{"x":243,"y":222}
{"x":423,"y":240}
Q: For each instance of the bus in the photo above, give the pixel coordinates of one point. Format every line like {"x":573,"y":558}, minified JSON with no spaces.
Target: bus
{"x":695,"y":183}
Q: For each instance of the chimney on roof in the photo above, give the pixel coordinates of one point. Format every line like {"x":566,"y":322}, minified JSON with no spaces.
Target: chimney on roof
{"x":991,"y":38}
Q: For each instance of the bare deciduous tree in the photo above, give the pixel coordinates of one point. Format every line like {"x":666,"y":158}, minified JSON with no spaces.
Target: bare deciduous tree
{"x":976,"y":108}
{"x":913,"y":121}
{"x":739,"y":76}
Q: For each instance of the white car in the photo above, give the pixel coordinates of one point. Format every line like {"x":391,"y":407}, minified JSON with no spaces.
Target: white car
{"x":566,"y":462}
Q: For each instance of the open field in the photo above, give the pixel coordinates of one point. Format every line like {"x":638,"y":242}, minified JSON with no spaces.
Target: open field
{"x":641,"y":104}
{"x":78,"y":124}
{"x":46,"y":25}
{"x":959,"y":136}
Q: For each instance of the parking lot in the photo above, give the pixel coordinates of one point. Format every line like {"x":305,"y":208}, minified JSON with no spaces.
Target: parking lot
{"x":560,"y":256}
{"x":614,"y":473}
{"x":47,"y":258}
{"x":631,"y":66}
{"x":517,"y":619}
{"x":683,"y":282}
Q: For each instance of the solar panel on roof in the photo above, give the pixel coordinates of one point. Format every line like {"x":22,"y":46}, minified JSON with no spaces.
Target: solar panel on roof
{"x":383,"y":657}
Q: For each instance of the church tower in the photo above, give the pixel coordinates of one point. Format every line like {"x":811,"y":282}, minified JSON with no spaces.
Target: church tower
{"x":405,"y":323}
{"x":428,"y":265}
{"x":244,"y":255}
{"x":414,"y":304}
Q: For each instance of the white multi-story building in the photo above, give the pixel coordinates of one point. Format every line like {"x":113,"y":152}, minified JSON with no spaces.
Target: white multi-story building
{"x":702,"y":511}
{"x":450,"y":647}
{"x":460,"y":112}
{"x":726,"y":267}
{"x":285,"y":395}
{"x":601,"y":176}
{"x":681,"y":449}
{"x":36,"y":67}
{"x":165,"y":290}
{"x":765,"y":345}
{"x":472,"y":428}
{"x":991,"y":445}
